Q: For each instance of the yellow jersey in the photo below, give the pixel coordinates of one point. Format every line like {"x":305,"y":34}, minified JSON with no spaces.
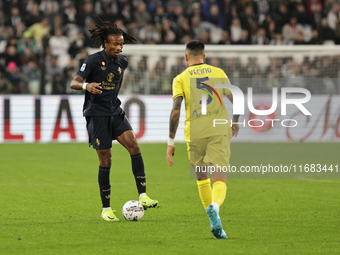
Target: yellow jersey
{"x":191,"y":84}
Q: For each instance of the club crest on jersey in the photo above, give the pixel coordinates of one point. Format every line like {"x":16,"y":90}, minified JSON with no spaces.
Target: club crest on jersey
{"x":119,"y":70}
{"x":110,"y":77}
{"x":103,"y":67}
{"x":82,"y":69}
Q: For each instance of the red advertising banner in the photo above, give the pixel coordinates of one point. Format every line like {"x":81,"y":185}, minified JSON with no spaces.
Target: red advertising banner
{"x":44,"y":119}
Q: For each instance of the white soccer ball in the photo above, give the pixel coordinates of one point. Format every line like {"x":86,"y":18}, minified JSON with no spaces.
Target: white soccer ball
{"x":133,"y":210}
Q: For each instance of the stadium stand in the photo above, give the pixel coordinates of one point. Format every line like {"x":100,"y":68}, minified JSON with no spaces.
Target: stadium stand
{"x":43,"y":43}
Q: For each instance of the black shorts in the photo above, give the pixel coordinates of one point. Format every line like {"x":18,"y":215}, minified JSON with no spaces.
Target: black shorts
{"x":103,"y":129}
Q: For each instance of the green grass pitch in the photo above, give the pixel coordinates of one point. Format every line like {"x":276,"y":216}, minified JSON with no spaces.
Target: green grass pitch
{"x":50,"y":204}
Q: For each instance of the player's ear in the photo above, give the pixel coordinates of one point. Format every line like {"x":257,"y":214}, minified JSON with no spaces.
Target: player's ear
{"x":186,"y":57}
{"x":203,"y":57}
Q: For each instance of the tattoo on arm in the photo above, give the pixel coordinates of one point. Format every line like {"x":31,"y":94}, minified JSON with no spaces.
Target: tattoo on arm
{"x":173,"y":127}
{"x":174,"y":117}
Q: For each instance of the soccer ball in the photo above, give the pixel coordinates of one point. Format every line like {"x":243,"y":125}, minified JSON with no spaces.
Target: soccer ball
{"x":133,"y":210}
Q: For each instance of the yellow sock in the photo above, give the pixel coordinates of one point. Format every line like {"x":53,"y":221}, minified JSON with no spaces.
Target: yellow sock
{"x":219,"y":191}
{"x":204,"y":190}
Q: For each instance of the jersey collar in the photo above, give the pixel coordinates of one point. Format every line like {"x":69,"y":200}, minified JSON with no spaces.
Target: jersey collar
{"x":197,"y":64}
{"x":106,"y":57}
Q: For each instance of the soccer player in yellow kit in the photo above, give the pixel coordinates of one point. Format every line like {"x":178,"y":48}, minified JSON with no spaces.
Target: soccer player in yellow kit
{"x":208,"y":143}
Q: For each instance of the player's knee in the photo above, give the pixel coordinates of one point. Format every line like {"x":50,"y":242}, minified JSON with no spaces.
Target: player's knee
{"x":134,"y":149}
{"x":106,"y":162}
{"x":105,"y":158}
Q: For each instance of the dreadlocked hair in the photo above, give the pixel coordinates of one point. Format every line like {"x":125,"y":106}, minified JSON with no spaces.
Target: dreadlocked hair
{"x":101,"y":32}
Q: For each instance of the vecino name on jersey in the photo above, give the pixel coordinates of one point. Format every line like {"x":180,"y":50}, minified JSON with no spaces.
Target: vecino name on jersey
{"x":200,"y":71}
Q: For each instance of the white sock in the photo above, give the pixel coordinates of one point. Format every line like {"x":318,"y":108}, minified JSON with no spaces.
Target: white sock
{"x":216,"y":206}
{"x":142,"y":195}
{"x":106,"y":209}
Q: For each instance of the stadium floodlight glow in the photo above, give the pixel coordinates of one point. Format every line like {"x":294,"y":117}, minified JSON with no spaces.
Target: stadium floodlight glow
{"x":238,"y":102}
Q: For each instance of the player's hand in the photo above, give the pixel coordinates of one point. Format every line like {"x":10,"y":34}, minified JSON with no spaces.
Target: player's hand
{"x":169,"y":153}
{"x":234,"y":129}
{"x":94,"y":88}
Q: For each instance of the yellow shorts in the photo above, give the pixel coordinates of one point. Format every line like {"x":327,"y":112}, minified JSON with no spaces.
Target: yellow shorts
{"x":214,"y":150}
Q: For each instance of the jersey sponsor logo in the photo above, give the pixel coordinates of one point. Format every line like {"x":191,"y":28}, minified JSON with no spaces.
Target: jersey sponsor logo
{"x":82,"y":69}
{"x":108,"y":85}
{"x":197,"y":114}
{"x":110,"y":77}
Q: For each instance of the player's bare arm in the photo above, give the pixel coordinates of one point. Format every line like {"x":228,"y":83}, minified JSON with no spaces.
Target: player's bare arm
{"x":231,"y":98}
{"x":78,"y":82}
{"x":234,"y":127}
{"x":174,"y":120}
{"x":174,"y":117}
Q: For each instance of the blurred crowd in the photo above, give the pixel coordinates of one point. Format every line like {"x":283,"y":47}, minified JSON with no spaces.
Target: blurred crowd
{"x":45,"y":41}
{"x":320,"y":74}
